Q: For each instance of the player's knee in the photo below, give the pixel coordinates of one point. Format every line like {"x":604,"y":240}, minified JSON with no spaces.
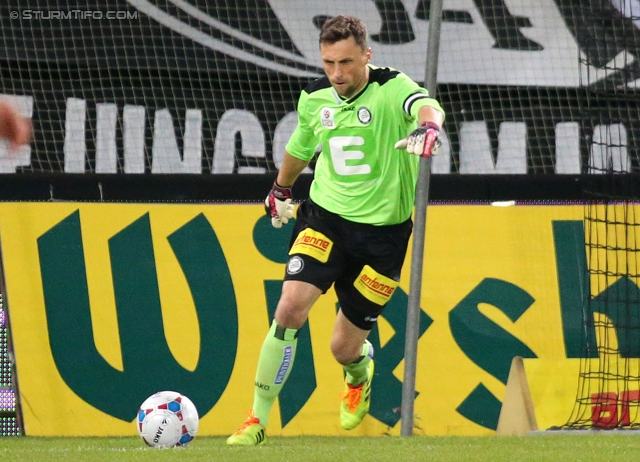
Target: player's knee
{"x":290,"y":314}
{"x":345,"y":352}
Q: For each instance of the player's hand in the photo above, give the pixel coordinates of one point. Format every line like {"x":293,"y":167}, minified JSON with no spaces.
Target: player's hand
{"x":13,"y":127}
{"x":278,"y":205}
{"x":423,"y":141}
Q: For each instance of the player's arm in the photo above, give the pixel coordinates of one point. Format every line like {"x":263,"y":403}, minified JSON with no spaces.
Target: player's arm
{"x":13,"y":127}
{"x":426,"y":111}
{"x":298,"y":153}
{"x":430,"y":115}
{"x":290,"y":170}
{"x":278,"y":203}
{"x":423,"y":141}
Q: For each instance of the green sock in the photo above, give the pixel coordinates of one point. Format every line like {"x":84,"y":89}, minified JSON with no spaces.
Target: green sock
{"x":357,"y":370}
{"x":274,"y":365}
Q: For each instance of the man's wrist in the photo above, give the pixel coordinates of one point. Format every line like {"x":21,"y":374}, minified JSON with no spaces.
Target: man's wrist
{"x":281,"y":192}
{"x":429,"y":124}
{"x":278,"y":185}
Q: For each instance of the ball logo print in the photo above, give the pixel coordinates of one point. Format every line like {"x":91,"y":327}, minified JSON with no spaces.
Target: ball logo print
{"x":167,"y":419}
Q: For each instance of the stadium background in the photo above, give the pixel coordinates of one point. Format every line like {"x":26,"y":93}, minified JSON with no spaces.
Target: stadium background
{"x":192,"y":102}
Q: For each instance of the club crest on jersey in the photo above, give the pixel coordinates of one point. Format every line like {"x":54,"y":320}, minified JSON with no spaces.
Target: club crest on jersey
{"x":364,"y":115}
{"x":327,"y":118}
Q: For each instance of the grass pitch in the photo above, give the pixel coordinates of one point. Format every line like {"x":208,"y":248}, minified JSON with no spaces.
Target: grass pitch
{"x":605,"y":447}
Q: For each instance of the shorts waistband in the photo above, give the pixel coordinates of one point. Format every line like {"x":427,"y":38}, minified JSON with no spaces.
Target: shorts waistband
{"x":360,"y":226}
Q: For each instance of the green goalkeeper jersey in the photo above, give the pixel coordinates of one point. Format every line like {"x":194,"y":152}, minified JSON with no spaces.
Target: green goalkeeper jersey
{"x":359,"y":175}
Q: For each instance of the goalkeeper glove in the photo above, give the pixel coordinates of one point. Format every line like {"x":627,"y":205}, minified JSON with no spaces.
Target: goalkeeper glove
{"x":423,"y":141}
{"x":278,"y":205}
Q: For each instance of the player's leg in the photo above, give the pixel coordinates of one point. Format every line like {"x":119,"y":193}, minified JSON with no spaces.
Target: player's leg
{"x":364,"y":289}
{"x":276,"y":358}
{"x":351,"y":348}
{"x":309,"y":273}
{"x":279,"y":347}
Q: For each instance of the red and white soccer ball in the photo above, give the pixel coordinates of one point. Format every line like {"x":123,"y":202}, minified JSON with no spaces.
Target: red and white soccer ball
{"x":167,"y":419}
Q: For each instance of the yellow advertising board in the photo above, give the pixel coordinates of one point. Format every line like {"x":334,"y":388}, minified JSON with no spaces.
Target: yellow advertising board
{"x":111,"y":302}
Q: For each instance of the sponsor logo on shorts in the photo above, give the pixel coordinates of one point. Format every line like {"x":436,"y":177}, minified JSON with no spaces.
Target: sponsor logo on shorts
{"x":312,"y":243}
{"x":287,"y":356}
{"x":295,"y":265}
{"x":374,"y":286}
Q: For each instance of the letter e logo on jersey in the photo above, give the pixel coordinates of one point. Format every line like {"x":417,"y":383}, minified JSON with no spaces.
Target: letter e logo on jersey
{"x":374,"y":286}
{"x":327,"y":118}
{"x":312,"y":243}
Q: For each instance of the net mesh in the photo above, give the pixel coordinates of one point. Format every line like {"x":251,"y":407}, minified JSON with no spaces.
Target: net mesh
{"x":8,"y":419}
{"x":608,"y":395}
{"x":175,"y":86}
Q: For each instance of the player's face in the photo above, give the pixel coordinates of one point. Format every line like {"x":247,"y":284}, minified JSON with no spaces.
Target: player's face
{"x":345,"y":64}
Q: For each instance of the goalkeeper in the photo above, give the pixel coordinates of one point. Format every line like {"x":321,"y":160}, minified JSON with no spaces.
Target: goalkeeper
{"x":354,"y":229}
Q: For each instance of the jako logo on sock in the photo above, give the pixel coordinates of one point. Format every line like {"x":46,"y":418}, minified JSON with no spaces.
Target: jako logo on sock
{"x":284,"y":365}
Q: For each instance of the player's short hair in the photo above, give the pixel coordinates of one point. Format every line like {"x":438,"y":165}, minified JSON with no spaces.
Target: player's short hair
{"x":341,"y":28}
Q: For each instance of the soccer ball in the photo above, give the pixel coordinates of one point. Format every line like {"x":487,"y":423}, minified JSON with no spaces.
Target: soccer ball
{"x":167,"y":419}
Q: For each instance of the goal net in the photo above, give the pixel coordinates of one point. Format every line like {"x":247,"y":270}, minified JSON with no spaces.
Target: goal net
{"x":199,"y":87}
{"x":209,"y":87}
{"x":608,"y":395}
{"x":9,"y":425}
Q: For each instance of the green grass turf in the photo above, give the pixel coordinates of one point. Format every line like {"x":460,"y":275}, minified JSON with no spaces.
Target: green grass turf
{"x":601,"y":448}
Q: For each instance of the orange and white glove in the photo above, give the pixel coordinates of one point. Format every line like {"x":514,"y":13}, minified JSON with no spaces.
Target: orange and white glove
{"x":423,"y":141}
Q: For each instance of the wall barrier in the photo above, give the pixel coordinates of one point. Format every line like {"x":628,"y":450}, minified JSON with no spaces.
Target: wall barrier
{"x":111,"y":302}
